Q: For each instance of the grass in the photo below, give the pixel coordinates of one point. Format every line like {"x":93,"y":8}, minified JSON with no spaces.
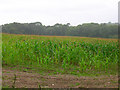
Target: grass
{"x":64,"y":55}
{"x":73,"y":85}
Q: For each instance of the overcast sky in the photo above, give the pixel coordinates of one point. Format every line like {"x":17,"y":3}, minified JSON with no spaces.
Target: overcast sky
{"x":50,"y":12}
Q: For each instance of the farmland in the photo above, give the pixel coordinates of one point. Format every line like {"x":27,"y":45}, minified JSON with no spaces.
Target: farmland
{"x":74,"y":53}
{"x":60,"y":54}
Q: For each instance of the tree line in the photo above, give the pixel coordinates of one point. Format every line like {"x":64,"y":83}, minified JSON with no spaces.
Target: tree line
{"x":103,"y":30}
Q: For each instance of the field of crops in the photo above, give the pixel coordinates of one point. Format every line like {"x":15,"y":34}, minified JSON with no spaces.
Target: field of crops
{"x":78,"y":54}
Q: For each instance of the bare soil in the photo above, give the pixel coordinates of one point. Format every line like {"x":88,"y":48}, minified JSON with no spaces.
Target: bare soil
{"x":34,"y":80}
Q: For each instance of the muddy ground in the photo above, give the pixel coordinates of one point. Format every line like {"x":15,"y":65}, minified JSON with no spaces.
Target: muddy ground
{"x":35,"y":80}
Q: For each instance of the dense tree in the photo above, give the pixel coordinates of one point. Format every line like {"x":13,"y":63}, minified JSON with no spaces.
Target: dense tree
{"x":105,"y":30}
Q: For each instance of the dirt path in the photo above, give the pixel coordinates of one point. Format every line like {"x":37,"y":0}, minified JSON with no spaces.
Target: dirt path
{"x":33,"y":80}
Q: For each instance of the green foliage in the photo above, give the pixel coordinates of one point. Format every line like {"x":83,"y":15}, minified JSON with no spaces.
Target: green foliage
{"x":105,"y":30}
{"x":86,"y":54}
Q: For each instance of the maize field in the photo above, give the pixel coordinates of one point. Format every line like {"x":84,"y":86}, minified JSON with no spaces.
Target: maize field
{"x":82,"y":53}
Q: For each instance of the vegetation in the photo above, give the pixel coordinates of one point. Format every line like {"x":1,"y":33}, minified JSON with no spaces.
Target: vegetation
{"x":104,"y":30}
{"x":73,"y":55}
